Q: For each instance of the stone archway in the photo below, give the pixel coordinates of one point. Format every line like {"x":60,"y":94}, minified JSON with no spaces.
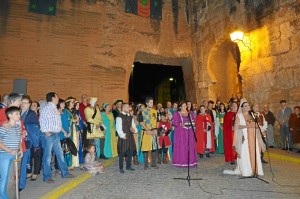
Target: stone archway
{"x":184,"y":62}
{"x":223,"y":69}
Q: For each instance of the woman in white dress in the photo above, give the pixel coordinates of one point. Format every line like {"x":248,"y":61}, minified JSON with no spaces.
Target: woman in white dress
{"x":245,"y":145}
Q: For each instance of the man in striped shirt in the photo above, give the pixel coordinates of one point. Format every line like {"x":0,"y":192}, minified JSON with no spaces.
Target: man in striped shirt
{"x":50,"y":122}
{"x":10,"y":144}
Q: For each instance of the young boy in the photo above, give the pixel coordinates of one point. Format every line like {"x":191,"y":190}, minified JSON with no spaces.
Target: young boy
{"x":10,"y":146}
{"x":164,"y":141}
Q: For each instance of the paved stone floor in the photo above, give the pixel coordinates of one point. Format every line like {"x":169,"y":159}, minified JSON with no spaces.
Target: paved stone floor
{"x":160,"y":183}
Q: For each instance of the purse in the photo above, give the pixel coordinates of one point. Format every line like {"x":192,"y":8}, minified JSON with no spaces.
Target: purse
{"x":65,"y":147}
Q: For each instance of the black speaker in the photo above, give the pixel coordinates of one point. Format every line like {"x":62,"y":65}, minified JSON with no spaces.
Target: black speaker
{"x":20,"y":86}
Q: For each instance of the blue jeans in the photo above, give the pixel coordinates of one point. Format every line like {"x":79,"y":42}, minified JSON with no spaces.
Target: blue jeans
{"x":53,"y":143}
{"x":6,"y":159}
{"x":23,"y":172}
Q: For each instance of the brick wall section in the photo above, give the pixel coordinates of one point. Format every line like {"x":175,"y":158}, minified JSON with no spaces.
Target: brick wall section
{"x":86,"y":48}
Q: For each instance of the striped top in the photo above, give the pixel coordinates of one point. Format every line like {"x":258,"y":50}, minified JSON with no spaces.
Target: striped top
{"x":50,"y":120}
{"x":11,"y":137}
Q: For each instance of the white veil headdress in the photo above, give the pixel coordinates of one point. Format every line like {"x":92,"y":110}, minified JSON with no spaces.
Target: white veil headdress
{"x":238,"y":135}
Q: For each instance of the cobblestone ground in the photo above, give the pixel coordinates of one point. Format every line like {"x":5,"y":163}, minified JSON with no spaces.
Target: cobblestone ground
{"x":160,"y":183}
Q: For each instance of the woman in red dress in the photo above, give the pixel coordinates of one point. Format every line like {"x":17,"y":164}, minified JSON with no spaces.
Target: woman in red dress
{"x":204,"y":133}
{"x":228,"y":130}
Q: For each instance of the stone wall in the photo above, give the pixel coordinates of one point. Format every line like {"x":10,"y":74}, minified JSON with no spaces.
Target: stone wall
{"x":269,"y":53}
{"x":88,"y":47}
{"x":270,"y":61}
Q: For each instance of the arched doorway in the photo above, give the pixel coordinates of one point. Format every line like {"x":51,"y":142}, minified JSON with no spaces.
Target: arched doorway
{"x":223,"y":68}
{"x":162,"y":82}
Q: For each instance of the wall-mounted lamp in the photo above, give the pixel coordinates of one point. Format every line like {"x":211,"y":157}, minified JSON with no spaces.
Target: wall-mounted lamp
{"x":237,"y":36}
{"x":171,"y":79}
{"x":132,"y":65}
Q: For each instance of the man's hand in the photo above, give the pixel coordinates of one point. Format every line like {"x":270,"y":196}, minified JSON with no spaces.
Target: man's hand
{"x":132,"y":130}
{"x":20,"y":156}
{"x":13,"y":152}
{"x":124,"y":138}
{"x":47,"y":134}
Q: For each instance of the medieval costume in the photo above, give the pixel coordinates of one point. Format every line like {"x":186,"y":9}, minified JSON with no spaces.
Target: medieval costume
{"x":261,"y":132}
{"x":184,"y":136}
{"x":148,"y":116}
{"x":164,"y":140}
{"x":205,"y":136}
{"x":244,"y":136}
{"x":294,"y":124}
{"x":126,"y":145}
{"x":94,"y":127}
{"x":79,"y":128}
{"x":75,"y":138}
{"x":220,"y":136}
{"x":170,"y":113}
{"x":110,"y":145}
{"x":116,"y":111}
{"x":228,"y":129}
{"x":66,"y":120}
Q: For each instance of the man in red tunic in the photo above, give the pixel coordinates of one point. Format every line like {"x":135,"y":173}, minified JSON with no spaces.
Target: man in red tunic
{"x":228,"y":129}
{"x":204,"y":133}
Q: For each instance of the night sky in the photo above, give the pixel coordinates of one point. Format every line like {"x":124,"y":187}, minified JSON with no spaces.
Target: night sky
{"x":146,"y":77}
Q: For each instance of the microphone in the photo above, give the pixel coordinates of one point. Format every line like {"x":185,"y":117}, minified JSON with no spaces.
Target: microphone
{"x":251,"y":112}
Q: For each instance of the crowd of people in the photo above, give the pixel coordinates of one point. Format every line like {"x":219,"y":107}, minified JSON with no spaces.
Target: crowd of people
{"x":60,"y":135}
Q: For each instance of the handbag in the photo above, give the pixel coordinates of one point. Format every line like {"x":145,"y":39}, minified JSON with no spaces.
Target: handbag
{"x":71,"y":146}
{"x":65,"y":147}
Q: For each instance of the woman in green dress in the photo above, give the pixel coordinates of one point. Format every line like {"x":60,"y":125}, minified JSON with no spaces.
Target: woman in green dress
{"x":219,"y":123}
{"x":110,"y":145}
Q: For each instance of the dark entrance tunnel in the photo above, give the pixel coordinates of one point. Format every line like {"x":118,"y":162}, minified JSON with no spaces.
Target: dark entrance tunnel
{"x":162,"y":82}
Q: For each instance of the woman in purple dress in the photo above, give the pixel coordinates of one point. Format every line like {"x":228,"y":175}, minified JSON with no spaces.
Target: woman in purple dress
{"x":183,"y":135}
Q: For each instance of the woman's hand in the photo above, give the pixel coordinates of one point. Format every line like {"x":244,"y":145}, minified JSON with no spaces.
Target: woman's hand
{"x":251,"y":125}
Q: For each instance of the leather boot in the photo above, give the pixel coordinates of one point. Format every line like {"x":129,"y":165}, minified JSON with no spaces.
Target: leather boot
{"x":153,"y":161}
{"x":145,"y":154}
{"x":135,"y":161}
{"x":165,"y":161}
{"x":159,"y":158}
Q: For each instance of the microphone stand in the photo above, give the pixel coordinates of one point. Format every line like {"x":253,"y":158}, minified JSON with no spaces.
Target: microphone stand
{"x":188,"y":178}
{"x":255,"y":175}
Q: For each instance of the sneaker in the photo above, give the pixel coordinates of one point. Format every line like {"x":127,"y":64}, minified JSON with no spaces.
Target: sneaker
{"x":232,"y":163}
{"x":200,"y":156}
{"x":122,"y":171}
